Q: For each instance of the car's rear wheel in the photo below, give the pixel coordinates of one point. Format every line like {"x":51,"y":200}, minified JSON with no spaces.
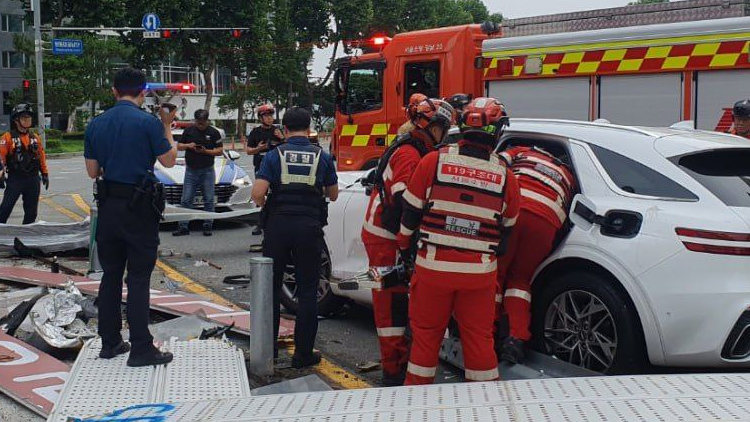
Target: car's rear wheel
{"x":328,"y":303}
{"x":584,"y":319}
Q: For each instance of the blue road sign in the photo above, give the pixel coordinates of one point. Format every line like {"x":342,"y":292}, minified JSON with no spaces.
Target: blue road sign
{"x":151,"y":22}
{"x":61,"y":46}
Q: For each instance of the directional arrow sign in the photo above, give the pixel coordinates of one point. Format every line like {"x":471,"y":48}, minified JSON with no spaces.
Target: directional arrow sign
{"x":151,"y":22}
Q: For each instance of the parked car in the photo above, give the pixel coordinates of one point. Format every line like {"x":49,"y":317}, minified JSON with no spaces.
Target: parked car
{"x":233,"y":184}
{"x":656,"y":266}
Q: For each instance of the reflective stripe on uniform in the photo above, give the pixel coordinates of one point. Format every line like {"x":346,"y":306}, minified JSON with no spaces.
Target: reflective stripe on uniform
{"x":498,"y":298}
{"x":553,"y":166}
{"x":421,"y":371}
{"x":413,"y":200}
{"x":510,"y":222}
{"x":488,"y":375}
{"x":544,"y":179}
{"x":552,"y":205}
{"x":456,"y":242}
{"x":440,"y":205}
{"x":405,"y":231}
{"x":378,"y":231}
{"x":397,"y":187}
{"x":391,"y":331}
{"x":519,"y":294}
{"x":457,"y":267}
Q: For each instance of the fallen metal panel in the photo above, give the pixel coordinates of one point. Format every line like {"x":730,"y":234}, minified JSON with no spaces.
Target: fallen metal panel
{"x":47,"y":237}
{"x":30,"y":376}
{"x":643,"y":398}
{"x":202,"y":369}
{"x":172,"y":214}
{"x":179,"y":304}
{"x":536,"y":365}
{"x":306,"y":384}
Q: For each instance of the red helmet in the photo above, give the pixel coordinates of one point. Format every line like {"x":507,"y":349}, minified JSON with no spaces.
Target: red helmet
{"x":486,"y":116}
{"x":414,"y":100}
{"x":433,"y":110}
{"x":266,"y":109}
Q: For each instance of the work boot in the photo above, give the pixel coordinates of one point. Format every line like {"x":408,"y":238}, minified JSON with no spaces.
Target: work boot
{"x":258,"y":231}
{"x":513,"y":350}
{"x":301,"y":361}
{"x":207,"y":232}
{"x":152,"y":357}
{"x":182,"y":231}
{"x":115,"y":351}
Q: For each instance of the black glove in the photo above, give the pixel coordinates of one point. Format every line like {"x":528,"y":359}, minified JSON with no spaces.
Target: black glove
{"x":407,"y":257}
{"x":2,"y":182}
{"x":45,"y":181}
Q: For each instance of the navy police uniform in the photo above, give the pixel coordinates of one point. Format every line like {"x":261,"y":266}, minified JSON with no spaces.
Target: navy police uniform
{"x":126,"y":142}
{"x":297,"y":172}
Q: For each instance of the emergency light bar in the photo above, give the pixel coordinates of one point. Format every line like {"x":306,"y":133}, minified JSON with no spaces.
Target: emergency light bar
{"x":160,"y":86}
{"x":380,"y":40}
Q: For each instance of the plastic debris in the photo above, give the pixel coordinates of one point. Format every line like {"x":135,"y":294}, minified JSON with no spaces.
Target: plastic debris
{"x":57,"y":321}
{"x":15,"y":317}
{"x":368,"y":366}
{"x":183,"y":328}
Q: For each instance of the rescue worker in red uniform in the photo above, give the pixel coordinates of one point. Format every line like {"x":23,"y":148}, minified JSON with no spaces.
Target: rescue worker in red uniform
{"x":741,"y":117}
{"x":411,"y":109}
{"x":546,"y":186}
{"x":463,"y":200}
{"x":382,"y":219}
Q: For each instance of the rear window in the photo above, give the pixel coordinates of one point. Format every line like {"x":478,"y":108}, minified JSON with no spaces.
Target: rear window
{"x":632,"y":176}
{"x":726,"y":173}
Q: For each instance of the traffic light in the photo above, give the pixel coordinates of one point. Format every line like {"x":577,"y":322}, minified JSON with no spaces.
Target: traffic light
{"x":166,"y":33}
{"x":26,"y":85}
{"x":236,"y":33}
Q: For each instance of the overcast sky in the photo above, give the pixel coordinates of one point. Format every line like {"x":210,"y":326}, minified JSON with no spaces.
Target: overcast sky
{"x":509,"y":9}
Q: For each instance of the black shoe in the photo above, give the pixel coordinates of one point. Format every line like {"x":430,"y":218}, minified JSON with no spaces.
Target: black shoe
{"x":513,"y":350}
{"x":152,"y":357}
{"x":258,"y":231}
{"x":181,"y":232}
{"x":115,"y":351}
{"x":207,"y":232}
{"x":305,"y":361}
{"x":393,"y":380}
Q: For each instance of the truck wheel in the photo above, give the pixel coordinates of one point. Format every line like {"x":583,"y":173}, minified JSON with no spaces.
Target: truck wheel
{"x":581,"y":317}
{"x":328,"y":303}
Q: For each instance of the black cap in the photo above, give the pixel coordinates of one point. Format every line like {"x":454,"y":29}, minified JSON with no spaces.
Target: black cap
{"x":741,"y":109}
{"x":201,"y":114}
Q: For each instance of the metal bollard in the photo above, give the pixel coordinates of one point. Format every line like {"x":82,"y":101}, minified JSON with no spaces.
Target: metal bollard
{"x":261,"y":317}
{"x":94,"y":265}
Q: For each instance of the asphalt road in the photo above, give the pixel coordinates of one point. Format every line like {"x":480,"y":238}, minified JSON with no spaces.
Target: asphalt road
{"x":346,"y":340}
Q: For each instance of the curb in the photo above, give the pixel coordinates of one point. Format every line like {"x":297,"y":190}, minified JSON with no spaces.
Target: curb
{"x":64,"y":155}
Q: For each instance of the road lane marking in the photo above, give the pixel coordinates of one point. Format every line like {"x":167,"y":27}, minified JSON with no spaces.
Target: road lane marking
{"x":335,"y":373}
{"x":78,"y":199}
{"x":62,"y":210}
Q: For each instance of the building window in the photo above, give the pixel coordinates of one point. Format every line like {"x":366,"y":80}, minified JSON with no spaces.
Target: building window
{"x":11,"y":23}
{"x":7,"y":106}
{"x":13,"y":60}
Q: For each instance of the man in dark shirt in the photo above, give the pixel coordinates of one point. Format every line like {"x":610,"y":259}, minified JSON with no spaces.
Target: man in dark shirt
{"x":264,"y":137}
{"x":201,"y":143}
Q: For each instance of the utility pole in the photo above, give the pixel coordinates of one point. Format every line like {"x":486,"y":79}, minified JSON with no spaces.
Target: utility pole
{"x":36,"y":8}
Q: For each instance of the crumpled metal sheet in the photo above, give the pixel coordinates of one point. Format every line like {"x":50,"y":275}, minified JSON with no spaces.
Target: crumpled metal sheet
{"x":57,"y":321}
{"x":45,"y":236}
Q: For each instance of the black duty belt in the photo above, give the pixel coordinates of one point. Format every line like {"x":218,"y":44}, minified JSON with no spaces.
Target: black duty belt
{"x":120,"y":190}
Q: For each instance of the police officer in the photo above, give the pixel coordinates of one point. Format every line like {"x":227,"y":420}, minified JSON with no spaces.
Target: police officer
{"x":459,"y":101}
{"x":24,"y":159}
{"x":741,"y":117}
{"x":300,"y":176}
{"x":121,"y":146}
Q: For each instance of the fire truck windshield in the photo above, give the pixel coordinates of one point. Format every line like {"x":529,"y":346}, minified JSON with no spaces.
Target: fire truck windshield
{"x":360,"y":89}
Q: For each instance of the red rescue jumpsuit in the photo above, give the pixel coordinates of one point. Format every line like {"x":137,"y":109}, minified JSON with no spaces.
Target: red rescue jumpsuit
{"x":546,"y":191}
{"x":464,"y":201}
{"x":390,"y":306}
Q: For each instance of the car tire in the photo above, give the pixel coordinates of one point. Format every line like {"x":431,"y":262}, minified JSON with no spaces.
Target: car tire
{"x":328,"y":302}
{"x":587,"y":340}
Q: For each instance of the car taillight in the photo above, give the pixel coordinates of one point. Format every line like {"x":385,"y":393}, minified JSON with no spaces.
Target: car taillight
{"x":715,"y":242}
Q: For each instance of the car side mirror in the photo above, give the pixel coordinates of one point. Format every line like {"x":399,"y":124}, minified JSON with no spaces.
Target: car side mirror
{"x":583,"y":212}
{"x":233,"y":155}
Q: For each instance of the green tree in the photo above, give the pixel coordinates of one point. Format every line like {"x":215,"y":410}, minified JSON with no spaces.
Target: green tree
{"x":476,"y":9}
{"x":496,"y":17}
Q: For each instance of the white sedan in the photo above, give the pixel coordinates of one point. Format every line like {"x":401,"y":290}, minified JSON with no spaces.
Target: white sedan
{"x":655,"y":268}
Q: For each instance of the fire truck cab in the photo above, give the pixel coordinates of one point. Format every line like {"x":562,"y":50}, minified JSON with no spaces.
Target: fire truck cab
{"x":372,"y":89}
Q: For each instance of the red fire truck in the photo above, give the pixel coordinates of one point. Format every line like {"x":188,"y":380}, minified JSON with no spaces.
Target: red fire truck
{"x":650,"y":75}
